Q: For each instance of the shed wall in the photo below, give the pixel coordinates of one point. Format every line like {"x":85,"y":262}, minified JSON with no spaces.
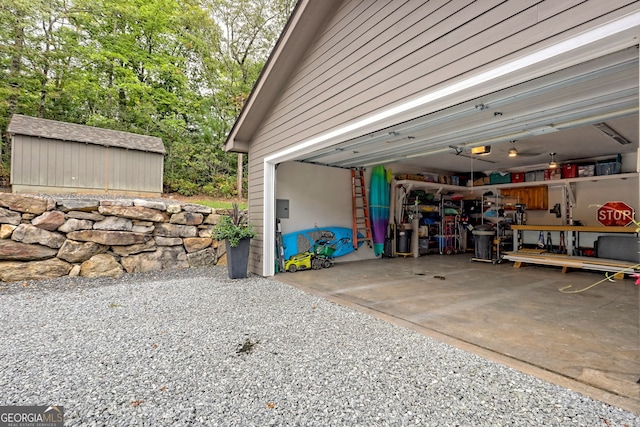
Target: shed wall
{"x":40,"y":163}
{"x":130,"y":169}
{"x":373,"y":55}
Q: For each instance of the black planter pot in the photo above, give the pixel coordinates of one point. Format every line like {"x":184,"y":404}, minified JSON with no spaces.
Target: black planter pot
{"x":238,"y":259}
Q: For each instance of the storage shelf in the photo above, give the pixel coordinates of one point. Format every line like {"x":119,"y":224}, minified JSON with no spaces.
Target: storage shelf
{"x":555,"y":182}
{"x":566,"y":262}
{"x":550,"y":183}
{"x":578,"y":228}
{"x":430,"y":185}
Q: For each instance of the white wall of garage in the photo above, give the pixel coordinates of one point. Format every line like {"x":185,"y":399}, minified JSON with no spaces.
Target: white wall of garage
{"x":318,"y":196}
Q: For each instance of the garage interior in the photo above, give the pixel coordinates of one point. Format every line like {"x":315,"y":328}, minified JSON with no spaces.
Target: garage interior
{"x":580,"y":116}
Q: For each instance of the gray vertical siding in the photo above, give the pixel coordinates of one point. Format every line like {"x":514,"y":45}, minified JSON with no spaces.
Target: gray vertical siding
{"x":135,"y":169}
{"x":42,"y":162}
{"x":366,"y":61}
{"x":50,"y":163}
{"x":255,"y":195}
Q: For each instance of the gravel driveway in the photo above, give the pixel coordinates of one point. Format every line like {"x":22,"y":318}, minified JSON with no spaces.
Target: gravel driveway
{"x":195,"y":348}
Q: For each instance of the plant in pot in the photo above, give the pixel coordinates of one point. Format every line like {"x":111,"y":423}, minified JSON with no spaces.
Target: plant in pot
{"x":237,"y":232}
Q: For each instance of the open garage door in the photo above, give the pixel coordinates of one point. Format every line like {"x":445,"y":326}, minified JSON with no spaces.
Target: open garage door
{"x":554,"y":113}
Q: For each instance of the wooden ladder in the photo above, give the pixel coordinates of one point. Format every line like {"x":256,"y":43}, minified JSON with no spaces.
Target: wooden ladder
{"x":360,"y":208}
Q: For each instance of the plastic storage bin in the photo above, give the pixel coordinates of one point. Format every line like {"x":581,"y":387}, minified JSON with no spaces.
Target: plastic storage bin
{"x":534,"y":176}
{"x":517,"y":176}
{"x":500,"y":178}
{"x":551,"y":174}
{"x":586,"y":170}
{"x":570,"y":170}
{"x":609,"y":167}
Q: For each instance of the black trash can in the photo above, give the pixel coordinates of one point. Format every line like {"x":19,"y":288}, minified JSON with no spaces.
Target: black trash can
{"x":483,"y":236}
{"x":403,"y":241}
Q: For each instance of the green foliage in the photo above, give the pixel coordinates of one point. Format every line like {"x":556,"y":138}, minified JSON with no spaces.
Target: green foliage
{"x":177,"y":69}
{"x":233,"y":227}
{"x":222,"y":186}
{"x":5,"y":173}
{"x":181,"y":186}
{"x":220,"y":204}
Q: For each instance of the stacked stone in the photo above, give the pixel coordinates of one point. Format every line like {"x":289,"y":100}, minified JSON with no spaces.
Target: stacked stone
{"x":44,"y":238}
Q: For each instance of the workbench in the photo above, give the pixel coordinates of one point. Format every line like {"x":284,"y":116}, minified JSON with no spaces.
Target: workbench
{"x":570,"y":259}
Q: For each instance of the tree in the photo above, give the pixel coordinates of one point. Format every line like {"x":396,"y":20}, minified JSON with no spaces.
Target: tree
{"x":249,"y":31}
{"x":177,"y":69}
{"x":21,"y":54}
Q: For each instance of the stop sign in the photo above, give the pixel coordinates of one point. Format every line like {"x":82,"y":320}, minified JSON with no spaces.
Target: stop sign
{"x":615,"y":214}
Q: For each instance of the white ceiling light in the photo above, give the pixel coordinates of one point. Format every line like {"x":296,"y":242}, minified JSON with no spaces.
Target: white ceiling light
{"x":483,"y":150}
{"x":553,"y":164}
{"x":512,"y":151}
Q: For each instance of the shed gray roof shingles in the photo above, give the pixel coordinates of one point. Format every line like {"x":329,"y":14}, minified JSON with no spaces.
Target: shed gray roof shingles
{"x":52,"y":129}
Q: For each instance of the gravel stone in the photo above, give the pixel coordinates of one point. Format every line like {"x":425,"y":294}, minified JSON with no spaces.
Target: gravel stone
{"x":193,"y":347}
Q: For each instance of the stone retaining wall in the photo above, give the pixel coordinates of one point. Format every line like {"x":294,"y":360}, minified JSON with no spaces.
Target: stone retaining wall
{"x":46,"y":238}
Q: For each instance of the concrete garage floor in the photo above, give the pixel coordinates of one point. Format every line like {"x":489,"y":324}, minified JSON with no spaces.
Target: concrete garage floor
{"x":588,"y":342}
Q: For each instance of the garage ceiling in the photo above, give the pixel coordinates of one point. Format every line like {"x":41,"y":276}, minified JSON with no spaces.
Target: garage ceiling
{"x":554,"y":113}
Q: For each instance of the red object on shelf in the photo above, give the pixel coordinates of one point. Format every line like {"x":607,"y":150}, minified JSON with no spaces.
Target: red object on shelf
{"x":615,"y":214}
{"x":551,"y":174}
{"x":517,"y":176}
{"x":570,"y":170}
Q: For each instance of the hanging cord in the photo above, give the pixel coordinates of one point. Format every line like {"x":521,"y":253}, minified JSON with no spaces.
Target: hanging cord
{"x":607,"y":277}
{"x":471,"y":173}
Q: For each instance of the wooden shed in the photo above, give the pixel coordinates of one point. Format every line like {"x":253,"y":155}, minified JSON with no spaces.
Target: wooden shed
{"x":49,"y":156}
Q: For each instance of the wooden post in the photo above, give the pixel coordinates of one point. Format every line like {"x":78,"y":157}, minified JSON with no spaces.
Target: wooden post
{"x":239,"y":174}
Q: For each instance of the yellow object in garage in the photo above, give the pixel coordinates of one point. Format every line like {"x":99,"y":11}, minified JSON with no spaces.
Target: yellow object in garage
{"x":299,"y":262}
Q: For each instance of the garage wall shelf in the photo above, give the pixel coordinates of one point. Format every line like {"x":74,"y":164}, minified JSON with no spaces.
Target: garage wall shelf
{"x":555,"y":182}
{"x":443,"y":233}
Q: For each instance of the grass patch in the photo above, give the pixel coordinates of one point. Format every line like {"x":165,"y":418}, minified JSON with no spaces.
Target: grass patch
{"x":219,"y":204}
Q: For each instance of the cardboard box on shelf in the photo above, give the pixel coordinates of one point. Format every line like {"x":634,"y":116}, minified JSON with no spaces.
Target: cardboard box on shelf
{"x":444,"y":179}
{"x":481,"y":181}
{"x":408,"y":176}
